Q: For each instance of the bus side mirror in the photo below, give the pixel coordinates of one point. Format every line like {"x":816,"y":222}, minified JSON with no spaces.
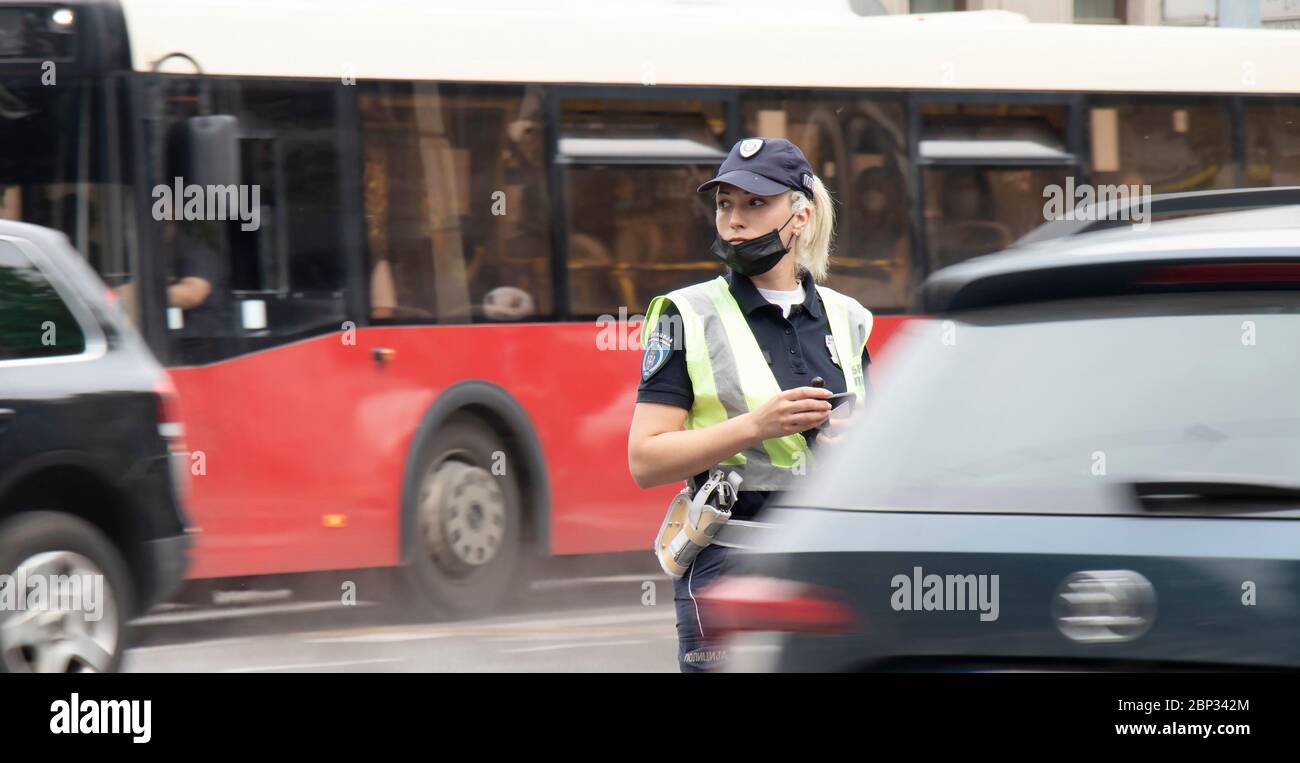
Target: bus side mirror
{"x":213,"y":150}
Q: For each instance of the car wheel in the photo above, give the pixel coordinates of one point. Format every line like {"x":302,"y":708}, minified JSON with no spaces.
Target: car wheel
{"x":78,"y":631}
{"x":468,"y":523}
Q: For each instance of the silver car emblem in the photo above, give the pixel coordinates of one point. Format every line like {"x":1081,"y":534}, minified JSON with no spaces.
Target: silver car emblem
{"x":1104,"y":606}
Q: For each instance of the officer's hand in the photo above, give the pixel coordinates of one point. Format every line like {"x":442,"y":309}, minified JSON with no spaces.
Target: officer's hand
{"x":792,"y":411}
{"x":837,"y":426}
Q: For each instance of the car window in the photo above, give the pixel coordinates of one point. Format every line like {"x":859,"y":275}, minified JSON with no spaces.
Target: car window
{"x":34,"y":321}
{"x":1054,"y":408}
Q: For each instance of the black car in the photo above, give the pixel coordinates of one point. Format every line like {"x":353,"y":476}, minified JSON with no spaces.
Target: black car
{"x":1088,"y":458}
{"x":92,"y":531}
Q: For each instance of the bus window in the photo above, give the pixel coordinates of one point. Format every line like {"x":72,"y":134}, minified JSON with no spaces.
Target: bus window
{"x":456,"y":204}
{"x":637,"y":227}
{"x":971,"y":211}
{"x":1273,"y":144}
{"x":859,"y":150}
{"x":635,"y":233}
{"x":936,"y":6}
{"x":986,"y":167}
{"x":1099,"y":11}
{"x":53,"y":172}
{"x":1171,"y":147}
{"x":261,"y":261}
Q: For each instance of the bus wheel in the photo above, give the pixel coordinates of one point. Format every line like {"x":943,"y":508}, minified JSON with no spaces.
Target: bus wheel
{"x":64,"y":633}
{"x":468,"y":523}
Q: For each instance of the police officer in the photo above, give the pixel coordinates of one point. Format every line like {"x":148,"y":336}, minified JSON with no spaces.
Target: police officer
{"x":727,"y":379}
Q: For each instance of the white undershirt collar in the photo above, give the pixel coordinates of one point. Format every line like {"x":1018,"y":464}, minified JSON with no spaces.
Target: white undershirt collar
{"x":784,"y":299}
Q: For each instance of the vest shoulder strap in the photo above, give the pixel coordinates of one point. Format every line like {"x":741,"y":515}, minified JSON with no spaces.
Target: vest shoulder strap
{"x":859,"y":316}
{"x":709,"y":288}
{"x":677,"y":297}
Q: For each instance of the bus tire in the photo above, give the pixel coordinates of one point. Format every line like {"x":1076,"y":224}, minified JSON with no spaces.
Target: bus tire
{"x":468,"y":523}
{"x":64,"y":639}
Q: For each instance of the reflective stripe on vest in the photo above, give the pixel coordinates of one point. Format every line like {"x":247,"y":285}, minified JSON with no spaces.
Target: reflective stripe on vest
{"x":730,"y":377}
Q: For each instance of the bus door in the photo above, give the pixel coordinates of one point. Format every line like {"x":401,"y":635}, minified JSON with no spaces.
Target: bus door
{"x":250,"y":229}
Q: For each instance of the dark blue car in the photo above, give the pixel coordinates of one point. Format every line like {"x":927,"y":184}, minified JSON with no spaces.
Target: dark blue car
{"x":1088,"y":459}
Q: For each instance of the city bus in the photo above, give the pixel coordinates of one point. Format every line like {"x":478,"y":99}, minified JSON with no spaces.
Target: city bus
{"x":394,"y":254}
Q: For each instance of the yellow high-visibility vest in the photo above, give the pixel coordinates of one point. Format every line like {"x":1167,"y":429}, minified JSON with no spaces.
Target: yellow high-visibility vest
{"x":729,"y":376}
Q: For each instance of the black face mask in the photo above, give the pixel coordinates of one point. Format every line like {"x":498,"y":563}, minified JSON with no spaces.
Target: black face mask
{"x":754,"y":257}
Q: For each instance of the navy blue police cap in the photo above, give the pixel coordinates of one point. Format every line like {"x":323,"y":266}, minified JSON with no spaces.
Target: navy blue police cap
{"x":765,"y":167}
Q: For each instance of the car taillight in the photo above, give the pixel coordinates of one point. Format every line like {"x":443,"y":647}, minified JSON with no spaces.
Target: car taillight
{"x":1221,"y":272}
{"x":170,"y":425}
{"x":753,"y":603}
{"x":172,"y":430}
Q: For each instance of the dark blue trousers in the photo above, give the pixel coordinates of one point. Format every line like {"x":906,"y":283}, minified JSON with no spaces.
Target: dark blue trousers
{"x":698,"y":650}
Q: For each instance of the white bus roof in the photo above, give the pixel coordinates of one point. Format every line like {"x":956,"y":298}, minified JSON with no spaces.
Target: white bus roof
{"x":669,"y":42}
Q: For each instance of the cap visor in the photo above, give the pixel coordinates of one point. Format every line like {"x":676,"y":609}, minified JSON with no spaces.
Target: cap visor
{"x":746,"y":181}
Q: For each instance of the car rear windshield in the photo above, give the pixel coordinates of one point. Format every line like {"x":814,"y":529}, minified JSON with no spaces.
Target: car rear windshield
{"x":1058,"y":408}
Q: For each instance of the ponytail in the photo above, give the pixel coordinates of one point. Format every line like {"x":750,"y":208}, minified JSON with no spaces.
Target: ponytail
{"x":813,"y":253}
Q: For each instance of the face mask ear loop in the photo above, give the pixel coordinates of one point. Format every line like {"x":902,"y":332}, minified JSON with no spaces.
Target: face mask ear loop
{"x":792,"y":238}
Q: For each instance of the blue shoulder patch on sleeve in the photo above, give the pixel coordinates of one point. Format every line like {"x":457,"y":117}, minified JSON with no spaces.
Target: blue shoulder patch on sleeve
{"x":657,"y":352}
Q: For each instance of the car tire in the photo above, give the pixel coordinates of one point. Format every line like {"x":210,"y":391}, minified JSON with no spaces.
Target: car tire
{"x":467,"y":523}
{"x":56,"y":638}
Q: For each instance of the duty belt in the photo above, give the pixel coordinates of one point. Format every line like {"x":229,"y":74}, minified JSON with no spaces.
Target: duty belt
{"x":742,"y":533}
{"x":736,"y":533}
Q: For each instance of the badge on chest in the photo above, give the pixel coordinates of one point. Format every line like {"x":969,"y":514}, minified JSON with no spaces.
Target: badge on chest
{"x":830,"y":347}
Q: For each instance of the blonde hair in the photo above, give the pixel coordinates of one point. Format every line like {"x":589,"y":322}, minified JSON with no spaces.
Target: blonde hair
{"x":813,"y":253}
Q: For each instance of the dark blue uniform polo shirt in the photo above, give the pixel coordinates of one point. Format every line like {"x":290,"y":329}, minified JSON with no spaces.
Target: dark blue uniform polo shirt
{"x":795,"y":349}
